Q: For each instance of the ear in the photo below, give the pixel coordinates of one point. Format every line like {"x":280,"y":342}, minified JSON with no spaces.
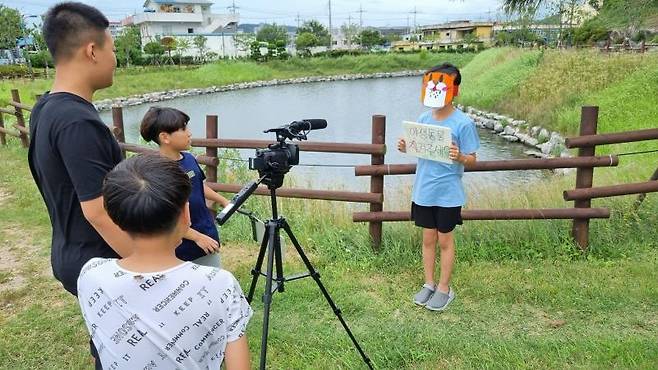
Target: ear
{"x":455,"y":91}
{"x":184,"y":220}
{"x":89,"y":51}
{"x":163,"y":138}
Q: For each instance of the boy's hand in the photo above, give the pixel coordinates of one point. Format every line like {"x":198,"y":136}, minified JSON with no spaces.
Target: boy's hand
{"x":402,"y":145}
{"x":454,"y":152}
{"x":208,"y":244}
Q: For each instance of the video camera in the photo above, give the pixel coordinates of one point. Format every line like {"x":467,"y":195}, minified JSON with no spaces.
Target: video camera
{"x":274,"y":162}
{"x":278,"y":158}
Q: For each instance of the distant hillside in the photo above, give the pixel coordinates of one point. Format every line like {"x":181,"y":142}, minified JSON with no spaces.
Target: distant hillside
{"x":251,"y":27}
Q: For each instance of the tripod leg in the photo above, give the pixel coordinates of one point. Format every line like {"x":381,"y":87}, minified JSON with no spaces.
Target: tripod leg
{"x":255,"y":272}
{"x":316,"y":276}
{"x":278,"y":260}
{"x":267,"y":295}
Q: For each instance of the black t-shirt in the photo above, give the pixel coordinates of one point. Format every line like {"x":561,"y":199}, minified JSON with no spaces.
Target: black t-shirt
{"x":71,"y":151}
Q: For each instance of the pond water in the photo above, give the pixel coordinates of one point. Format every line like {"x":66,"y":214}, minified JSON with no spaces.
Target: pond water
{"x":348,"y":107}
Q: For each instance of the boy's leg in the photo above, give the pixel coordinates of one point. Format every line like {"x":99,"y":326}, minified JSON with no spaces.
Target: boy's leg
{"x":429,"y":254}
{"x":447,"y":248}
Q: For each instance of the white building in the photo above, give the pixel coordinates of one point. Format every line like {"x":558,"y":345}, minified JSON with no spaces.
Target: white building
{"x":187,"y":19}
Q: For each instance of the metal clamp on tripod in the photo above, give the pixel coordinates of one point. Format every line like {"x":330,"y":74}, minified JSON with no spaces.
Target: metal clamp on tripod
{"x":272,"y":165}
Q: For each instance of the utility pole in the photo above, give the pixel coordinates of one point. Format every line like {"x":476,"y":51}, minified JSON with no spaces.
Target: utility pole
{"x":414,"y":13}
{"x":298,"y":19}
{"x":232,"y":7}
{"x":25,"y":51}
{"x":330,"y":42}
{"x":348,"y":34}
{"x":361,"y":16}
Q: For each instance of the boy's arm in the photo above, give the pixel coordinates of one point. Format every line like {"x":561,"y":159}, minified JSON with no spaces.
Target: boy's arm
{"x":237,"y":354}
{"x":457,"y":156}
{"x":206,"y":243}
{"x":467,"y":159}
{"x":94,"y":211}
{"x":212,"y":195}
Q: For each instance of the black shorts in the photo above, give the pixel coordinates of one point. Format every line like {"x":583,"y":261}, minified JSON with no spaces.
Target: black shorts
{"x":443,"y":219}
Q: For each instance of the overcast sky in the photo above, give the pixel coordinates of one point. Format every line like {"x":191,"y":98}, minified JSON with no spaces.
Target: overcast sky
{"x":375,"y":12}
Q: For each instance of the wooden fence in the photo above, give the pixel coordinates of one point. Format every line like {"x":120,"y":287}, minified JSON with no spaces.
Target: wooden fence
{"x":585,"y":162}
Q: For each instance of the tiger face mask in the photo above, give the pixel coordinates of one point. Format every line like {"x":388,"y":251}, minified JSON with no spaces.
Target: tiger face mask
{"x":438,"y":89}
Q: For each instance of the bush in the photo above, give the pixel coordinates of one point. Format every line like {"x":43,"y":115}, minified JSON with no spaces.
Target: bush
{"x":39,"y":59}
{"x":13,"y":71}
{"x":337,"y":53}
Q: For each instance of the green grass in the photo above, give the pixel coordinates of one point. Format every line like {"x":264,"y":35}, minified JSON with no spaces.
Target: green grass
{"x":526,"y":297}
{"x":130,"y":82}
{"x":494,"y":74}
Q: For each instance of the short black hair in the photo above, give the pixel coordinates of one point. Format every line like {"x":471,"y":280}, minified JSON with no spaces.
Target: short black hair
{"x":450,"y":69}
{"x":145,"y":194}
{"x":159,"y":119}
{"x":68,"y":25}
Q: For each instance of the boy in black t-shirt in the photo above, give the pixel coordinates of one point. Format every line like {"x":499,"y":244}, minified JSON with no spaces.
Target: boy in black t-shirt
{"x":168,"y":128}
{"x":71,"y":149}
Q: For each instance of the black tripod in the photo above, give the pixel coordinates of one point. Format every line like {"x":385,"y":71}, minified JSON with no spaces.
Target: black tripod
{"x":272,"y":243}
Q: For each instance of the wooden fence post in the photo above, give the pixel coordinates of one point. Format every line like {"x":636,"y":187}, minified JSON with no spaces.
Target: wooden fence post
{"x":377,"y":182}
{"x":3,"y":140}
{"x":211,"y":133}
{"x":211,"y":171}
{"x":118,"y":130}
{"x":20,"y":119}
{"x":584,"y":176}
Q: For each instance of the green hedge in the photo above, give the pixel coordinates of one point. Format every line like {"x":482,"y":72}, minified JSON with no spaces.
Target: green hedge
{"x":13,"y":71}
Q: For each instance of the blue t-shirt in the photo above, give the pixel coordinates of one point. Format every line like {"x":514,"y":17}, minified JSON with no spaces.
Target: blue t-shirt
{"x":440,"y":184}
{"x":200,"y":216}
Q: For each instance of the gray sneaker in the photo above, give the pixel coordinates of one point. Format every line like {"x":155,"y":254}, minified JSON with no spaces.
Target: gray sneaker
{"x":440,"y":301}
{"x":424,"y":295}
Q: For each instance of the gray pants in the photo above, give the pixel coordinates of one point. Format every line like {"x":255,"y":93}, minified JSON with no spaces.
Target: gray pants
{"x":211,"y":260}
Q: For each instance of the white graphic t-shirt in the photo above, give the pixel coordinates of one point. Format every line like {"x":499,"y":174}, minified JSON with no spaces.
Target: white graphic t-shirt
{"x":180,"y":318}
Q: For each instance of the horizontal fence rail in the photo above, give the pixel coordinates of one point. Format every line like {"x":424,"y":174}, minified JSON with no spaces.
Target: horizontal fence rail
{"x":496,"y":214}
{"x":345,"y":196}
{"x":502,"y":165}
{"x":611,"y":191}
{"x":20,"y":106}
{"x":614,"y":138}
{"x":308,"y":146}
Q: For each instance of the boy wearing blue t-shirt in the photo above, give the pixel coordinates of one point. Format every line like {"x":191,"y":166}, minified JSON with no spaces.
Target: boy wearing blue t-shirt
{"x":168,"y":128}
{"x":438,"y":194}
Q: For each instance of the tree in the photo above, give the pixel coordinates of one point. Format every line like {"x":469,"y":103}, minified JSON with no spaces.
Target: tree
{"x":169,"y":44}
{"x":271,"y":33}
{"x":129,"y":45}
{"x":10,"y":27}
{"x":350,"y":31}
{"x":316,"y":28}
{"x":155,"y":50}
{"x":200,"y":44}
{"x":304,"y":42}
{"x":182,"y":45}
{"x":471,"y":38}
{"x":369,"y":38}
{"x":392,"y":37}
{"x":243,"y":40}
